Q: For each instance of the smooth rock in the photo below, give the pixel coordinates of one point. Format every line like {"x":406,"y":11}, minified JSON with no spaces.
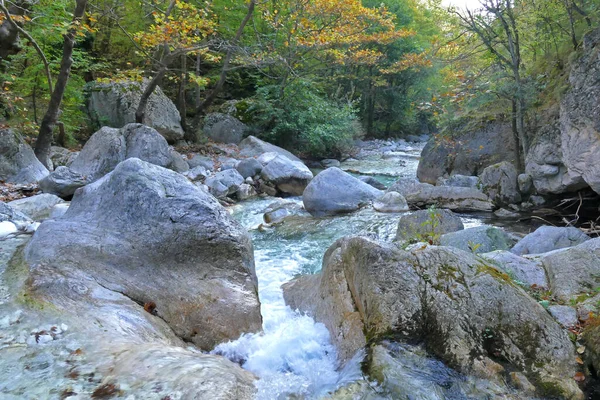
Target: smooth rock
{"x":59,"y":210}
{"x":480,"y":239}
{"x":499,"y":182}
{"x":548,"y":238}
{"x":36,"y":207}
{"x":197,"y":173}
{"x":525,"y":183}
{"x":523,"y":270}
{"x":254,"y":147}
{"x":245,"y":192}
{"x":204,"y":161}
{"x":249,"y":167}
{"x":63,"y":182}
{"x":178,"y":163}
{"x":329,"y":162}
{"x":224,"y":128}
{"x":224,"y":183}
{"x":334,"y":191}
{"x":564,"y":315}
{"x":289,"y":177}
{"x":373,"y":182}
{"x":18,"y":163}
{"x":452,"y":198}
{"x":277,"y":212}
{"x":391,"y":202}
{"x":504,"y":213}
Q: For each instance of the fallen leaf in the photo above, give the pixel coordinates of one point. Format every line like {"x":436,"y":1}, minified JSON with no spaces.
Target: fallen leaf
{"x":581,"y":349}
{"x":579,"y":360}
{"x":579,"y":377}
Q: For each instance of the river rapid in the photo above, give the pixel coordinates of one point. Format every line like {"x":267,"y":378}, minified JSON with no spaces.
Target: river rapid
{"x":293,"y":356}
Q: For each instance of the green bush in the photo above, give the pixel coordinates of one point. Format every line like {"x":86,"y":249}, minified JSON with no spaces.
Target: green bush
{"x":299,"y":117}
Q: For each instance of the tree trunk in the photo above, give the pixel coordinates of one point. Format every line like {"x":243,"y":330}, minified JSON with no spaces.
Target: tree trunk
{"x":44,"y":140}
{"x":141,"y":109}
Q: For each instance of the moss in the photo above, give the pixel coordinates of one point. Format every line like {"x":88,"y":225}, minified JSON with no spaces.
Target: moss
{"x":483,"y":267}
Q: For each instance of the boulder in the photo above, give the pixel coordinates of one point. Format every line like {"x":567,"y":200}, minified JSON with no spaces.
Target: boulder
{"x":198,"y":173}
{"x":467,"y":150}
{"x":59,"y":210}
{"x":289,"y":177}
{"x":404,"y":186}
{"x":526,"y":271}
{"x":18,"y":163}
{"x":114,"y":105}
{"x":178,"y":163}
{"x":204,"y":161}
{"x":245,"y":191}
{"x":330,"y":162}
{"x":147,"y":233}
{"x":36,"y":207}
{"x":525,"y":183}
{"x":103,"y":151}
{"x":466,"y":312}
{"x":504,"y":213}
{"x":266,"y":158}
{"x":249,"y":167}
{"x":548,"y":238}
{"x":224,"y":128}
{"x":391,"y":202}
{"x":334,"y":191}
{"x":499,"y":182}
{"x":459,"y":181}
{"x":564,"y":315}
{"x":373,"y":182}
{"x":580,"y":116}
{"x":277,"y":212}
{"x":480,"y":239}
{"x":450,"y":197}
{"x":254,"y":147}
{"x":544,"y":160}
{"x":225,"y":183}
{"x":62,"y":157}
{"x":574,"y":271}
{"x":425,"y":225}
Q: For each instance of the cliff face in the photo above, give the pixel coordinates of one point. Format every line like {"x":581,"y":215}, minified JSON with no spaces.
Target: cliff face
{"x":564,"y":154}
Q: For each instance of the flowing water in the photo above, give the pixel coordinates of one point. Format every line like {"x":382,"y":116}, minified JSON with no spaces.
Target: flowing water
{"x":293,"y":356}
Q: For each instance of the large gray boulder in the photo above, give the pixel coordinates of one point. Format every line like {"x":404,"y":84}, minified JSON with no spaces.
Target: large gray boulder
{"x":499,"y":182}
{"x":548,"y":238}
{"x":103,"y":152}
{"x":254,"y":147}
{"x":289,"y":177}
{"x":391,"y":202}
{"x":425,"y":225}
{"x":465,"y":311}
{"x":148,"y":233}
{"x":468,"y":150}
{"x":580,"y":116}
{"x":114,"y":105}
{"x":574,"y":271}
{"x":334,"y":191}
{"x":36,"y":207}
{"x":224,"y":128}
{"x":480,"y":239}
{"x":18,"y":163}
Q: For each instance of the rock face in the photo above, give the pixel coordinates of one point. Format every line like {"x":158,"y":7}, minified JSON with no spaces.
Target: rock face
{"x":481,"y":239}
{"x":114,"y":105}
{"x":548,"y":238}
{"x":580,"y":116}
{"x":334,"y":191}
{"x":103,"y":151}
{"x":574,"y":271}
{"x":499,"y":182}
{"x":466,"y":153}
{"x":254,"y":147}
{"x":224,"y":128}
{"x":289,"y":177}
{"x":148,"y":233}
{"x":465,"y":311}
{"x":18,"y":163}
{"x":427,"y":224}
{"x":36,"y":207}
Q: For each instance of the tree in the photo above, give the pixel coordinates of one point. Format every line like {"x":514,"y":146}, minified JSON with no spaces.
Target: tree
{"x":45,"y":135}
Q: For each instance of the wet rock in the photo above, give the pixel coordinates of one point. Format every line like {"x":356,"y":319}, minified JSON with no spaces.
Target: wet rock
{"x":564,"y":315}
{"x":327,"y":163}
{"x":499,"y":182}
{"x":10,"y":214}
{"x":254,"y":147}
{"x":334,"y":191}
{"x":574,"y":271}
{"x":147,"y":233}
{"x":481,"y":239}
{"x":548,"y":238}
{"x":36,"y":207}
{"x":391,"y":202}
{"x":424,"y":225}
{"x":504,"y":213}
{"x":114,"y":105}
{"x":468,"y":152}
{"x":459,"y":181}
{"x":523,"y":270}
{"x":465,"y":312}
{"x":224,"y":183}
{"x":18,"y":163}
{"x":279,"y":211}
{"x":249,"y":167}
{"x":373,"y":182}
{"x":224,"y":128}
{"x":289,"y":177}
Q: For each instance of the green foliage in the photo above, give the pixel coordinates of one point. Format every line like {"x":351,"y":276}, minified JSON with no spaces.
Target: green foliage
{"x":302,"y":118}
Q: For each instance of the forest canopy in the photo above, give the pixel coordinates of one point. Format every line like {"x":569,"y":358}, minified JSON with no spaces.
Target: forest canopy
{"x":307,"y":74}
